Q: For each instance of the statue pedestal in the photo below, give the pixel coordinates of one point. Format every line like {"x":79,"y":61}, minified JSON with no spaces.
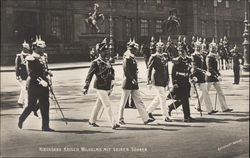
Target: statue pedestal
{"x":89,"y":40}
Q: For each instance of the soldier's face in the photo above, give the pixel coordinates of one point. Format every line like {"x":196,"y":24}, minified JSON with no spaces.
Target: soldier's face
{"x":105,"y":55}
{"x":182,"y":53}
{"x":159,"y":49}
{"x":25,"y":50}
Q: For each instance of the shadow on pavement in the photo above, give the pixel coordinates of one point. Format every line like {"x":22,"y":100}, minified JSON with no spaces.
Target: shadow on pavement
{"x":146,"y":129}
{"x":73,"y":131}
{"x":71,"y":120}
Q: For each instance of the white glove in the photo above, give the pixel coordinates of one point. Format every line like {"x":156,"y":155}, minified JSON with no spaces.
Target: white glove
{"x":194,"y":79}
{"x":43,"y":83}
{"x":219,"y":78}
{"x":19,"y":78}
{"x":149,"y":85}
{"x":84,"y":91}
{"x":208,"y":73}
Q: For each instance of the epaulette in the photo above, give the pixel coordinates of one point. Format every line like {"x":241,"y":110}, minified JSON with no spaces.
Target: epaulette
{"x":30,"y":58}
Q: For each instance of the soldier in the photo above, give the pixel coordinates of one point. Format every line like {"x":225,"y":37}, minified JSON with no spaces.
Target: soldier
{"x":159,"y":63}
{"x":171,"y":49}
{"x":190,"y":49}
{"x":130,"y":84}
{"x":238,"y":62}
{"x":152,"y":45}
{"x":21,"y":73}
{"x":38,"y":85}
{"x":199,"y":72}
{"x":204,"y":53}
{"x":104,"y":83}
{"x":145,"y":51}
{"x":215,"y":77}
{"x":181,"y":85}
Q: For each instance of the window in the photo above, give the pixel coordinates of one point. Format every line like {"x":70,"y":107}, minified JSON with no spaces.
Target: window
{"x":56,"y":26}
{"x":158,"y":1}
{"x":215,"y":3}
{"x":158,"y":26}
{"x":227,"y":3}
{"x":144,"y":27}
{"x":227,"y":29}
{"x":128,"y":27}
{"x":144,"y":1}
{"x":203,"y":28}
{"x":203,"y":3}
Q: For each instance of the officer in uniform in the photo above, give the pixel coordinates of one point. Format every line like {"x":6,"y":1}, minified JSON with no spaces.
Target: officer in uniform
{"x":171,"y":49}
{"x":104,"y":83}
{"x":199,"y":72}
{"x":21,"y":73}
{"x":238,"y":62}
{"x":152,"y":45}
{"x":181,"y":86}
{"x":215,"y":78}
{"x":38,"y":85}
{"x":204,"y":53}
{"x":159,"y":63}
{"x":145,"y":51}
{"x":130,"y":84}
{"x":190,"y":49}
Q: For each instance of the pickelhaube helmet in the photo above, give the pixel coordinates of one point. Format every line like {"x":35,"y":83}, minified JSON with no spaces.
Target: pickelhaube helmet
{"x":102,"y":46}
{"x":193,"y":38}
{"x":160,"y":44}
{"x":133,"y":44}
{"x":212,"y":45}
{"x":25,"y":45}
{"x":184,"y":39}
{"x":204,"y":45}
{"x":152,"y":39}
{"x":179,"y":39}
{"x":169,"y":39}
{"x":39,"y":42}
{"x":197,"y":44}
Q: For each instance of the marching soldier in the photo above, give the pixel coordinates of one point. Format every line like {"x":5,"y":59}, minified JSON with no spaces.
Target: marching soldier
{"x":171,"y":49}
{"x":204,"y":53}
{"x":190,"y":49}
{"x":199,"y":73}
{"x":238,"y":62}
{"x":38,"y":85}
{"x":215,"y":77}
{"x":152,"y":45}
{"x":145,"y":51}
{"x":21,"y":73}
{"x":181,"y":85}
{"x":104,"y":83}
{"x":159,"y":63}
{"x":130,"y":84}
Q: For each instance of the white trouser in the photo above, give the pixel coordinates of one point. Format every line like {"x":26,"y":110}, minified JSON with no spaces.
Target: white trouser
{"x":135,"y":95}
{"x":160,"y":98}
{"x":103,"y":99}
{"x":220,"y":94}
{"x":23,"y":98}
{"x":205,"y":95}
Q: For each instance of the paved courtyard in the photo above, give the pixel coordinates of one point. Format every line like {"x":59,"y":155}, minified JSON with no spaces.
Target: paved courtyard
{"x":223,"y":135}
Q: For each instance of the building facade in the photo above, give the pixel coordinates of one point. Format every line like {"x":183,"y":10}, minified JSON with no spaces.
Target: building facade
{"x":61,"y":23}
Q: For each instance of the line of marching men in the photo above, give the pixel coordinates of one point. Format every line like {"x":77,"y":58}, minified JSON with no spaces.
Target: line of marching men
{"x":185,"y":70}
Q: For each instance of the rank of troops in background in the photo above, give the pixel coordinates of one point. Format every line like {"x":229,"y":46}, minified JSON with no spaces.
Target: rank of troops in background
{"x":194,"y":65}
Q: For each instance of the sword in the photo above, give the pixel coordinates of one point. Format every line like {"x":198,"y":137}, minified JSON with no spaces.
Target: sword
{"x":197,"y":97}
{"x":172,"y":99}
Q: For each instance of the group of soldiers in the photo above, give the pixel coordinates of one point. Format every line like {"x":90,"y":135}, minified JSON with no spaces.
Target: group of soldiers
{"x":192,"y":64}
{"x":34,"y":77}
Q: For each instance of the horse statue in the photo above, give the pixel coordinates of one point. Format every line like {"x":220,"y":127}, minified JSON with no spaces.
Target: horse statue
{"x":172,"y":24}
{"x":94,"y":17}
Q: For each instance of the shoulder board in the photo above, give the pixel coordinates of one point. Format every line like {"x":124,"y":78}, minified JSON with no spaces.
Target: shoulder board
{"x":30,"y":58}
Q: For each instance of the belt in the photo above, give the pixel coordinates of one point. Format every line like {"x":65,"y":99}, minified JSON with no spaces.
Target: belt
{"x":182,"y":74}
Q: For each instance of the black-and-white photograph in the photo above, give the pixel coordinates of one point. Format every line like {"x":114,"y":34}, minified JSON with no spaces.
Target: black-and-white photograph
{"x":125,"y":78}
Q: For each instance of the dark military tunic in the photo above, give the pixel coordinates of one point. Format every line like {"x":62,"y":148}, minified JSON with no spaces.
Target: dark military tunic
{"x":158,"y":62}
{"x":130,"y":72}
{"x":212,"y":67}
{"x":236,"y":66}
{"x":37,"y":68}
{"x":20,"y":64}
{"x":180,"y":76}
{"x":104,"y":75}
{"x":198,"y":62}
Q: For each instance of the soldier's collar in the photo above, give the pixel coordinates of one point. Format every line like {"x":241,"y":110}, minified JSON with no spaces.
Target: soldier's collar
{"x":36,"y":55}
{"x":24,"y":53}
{"x":128,"y":54}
